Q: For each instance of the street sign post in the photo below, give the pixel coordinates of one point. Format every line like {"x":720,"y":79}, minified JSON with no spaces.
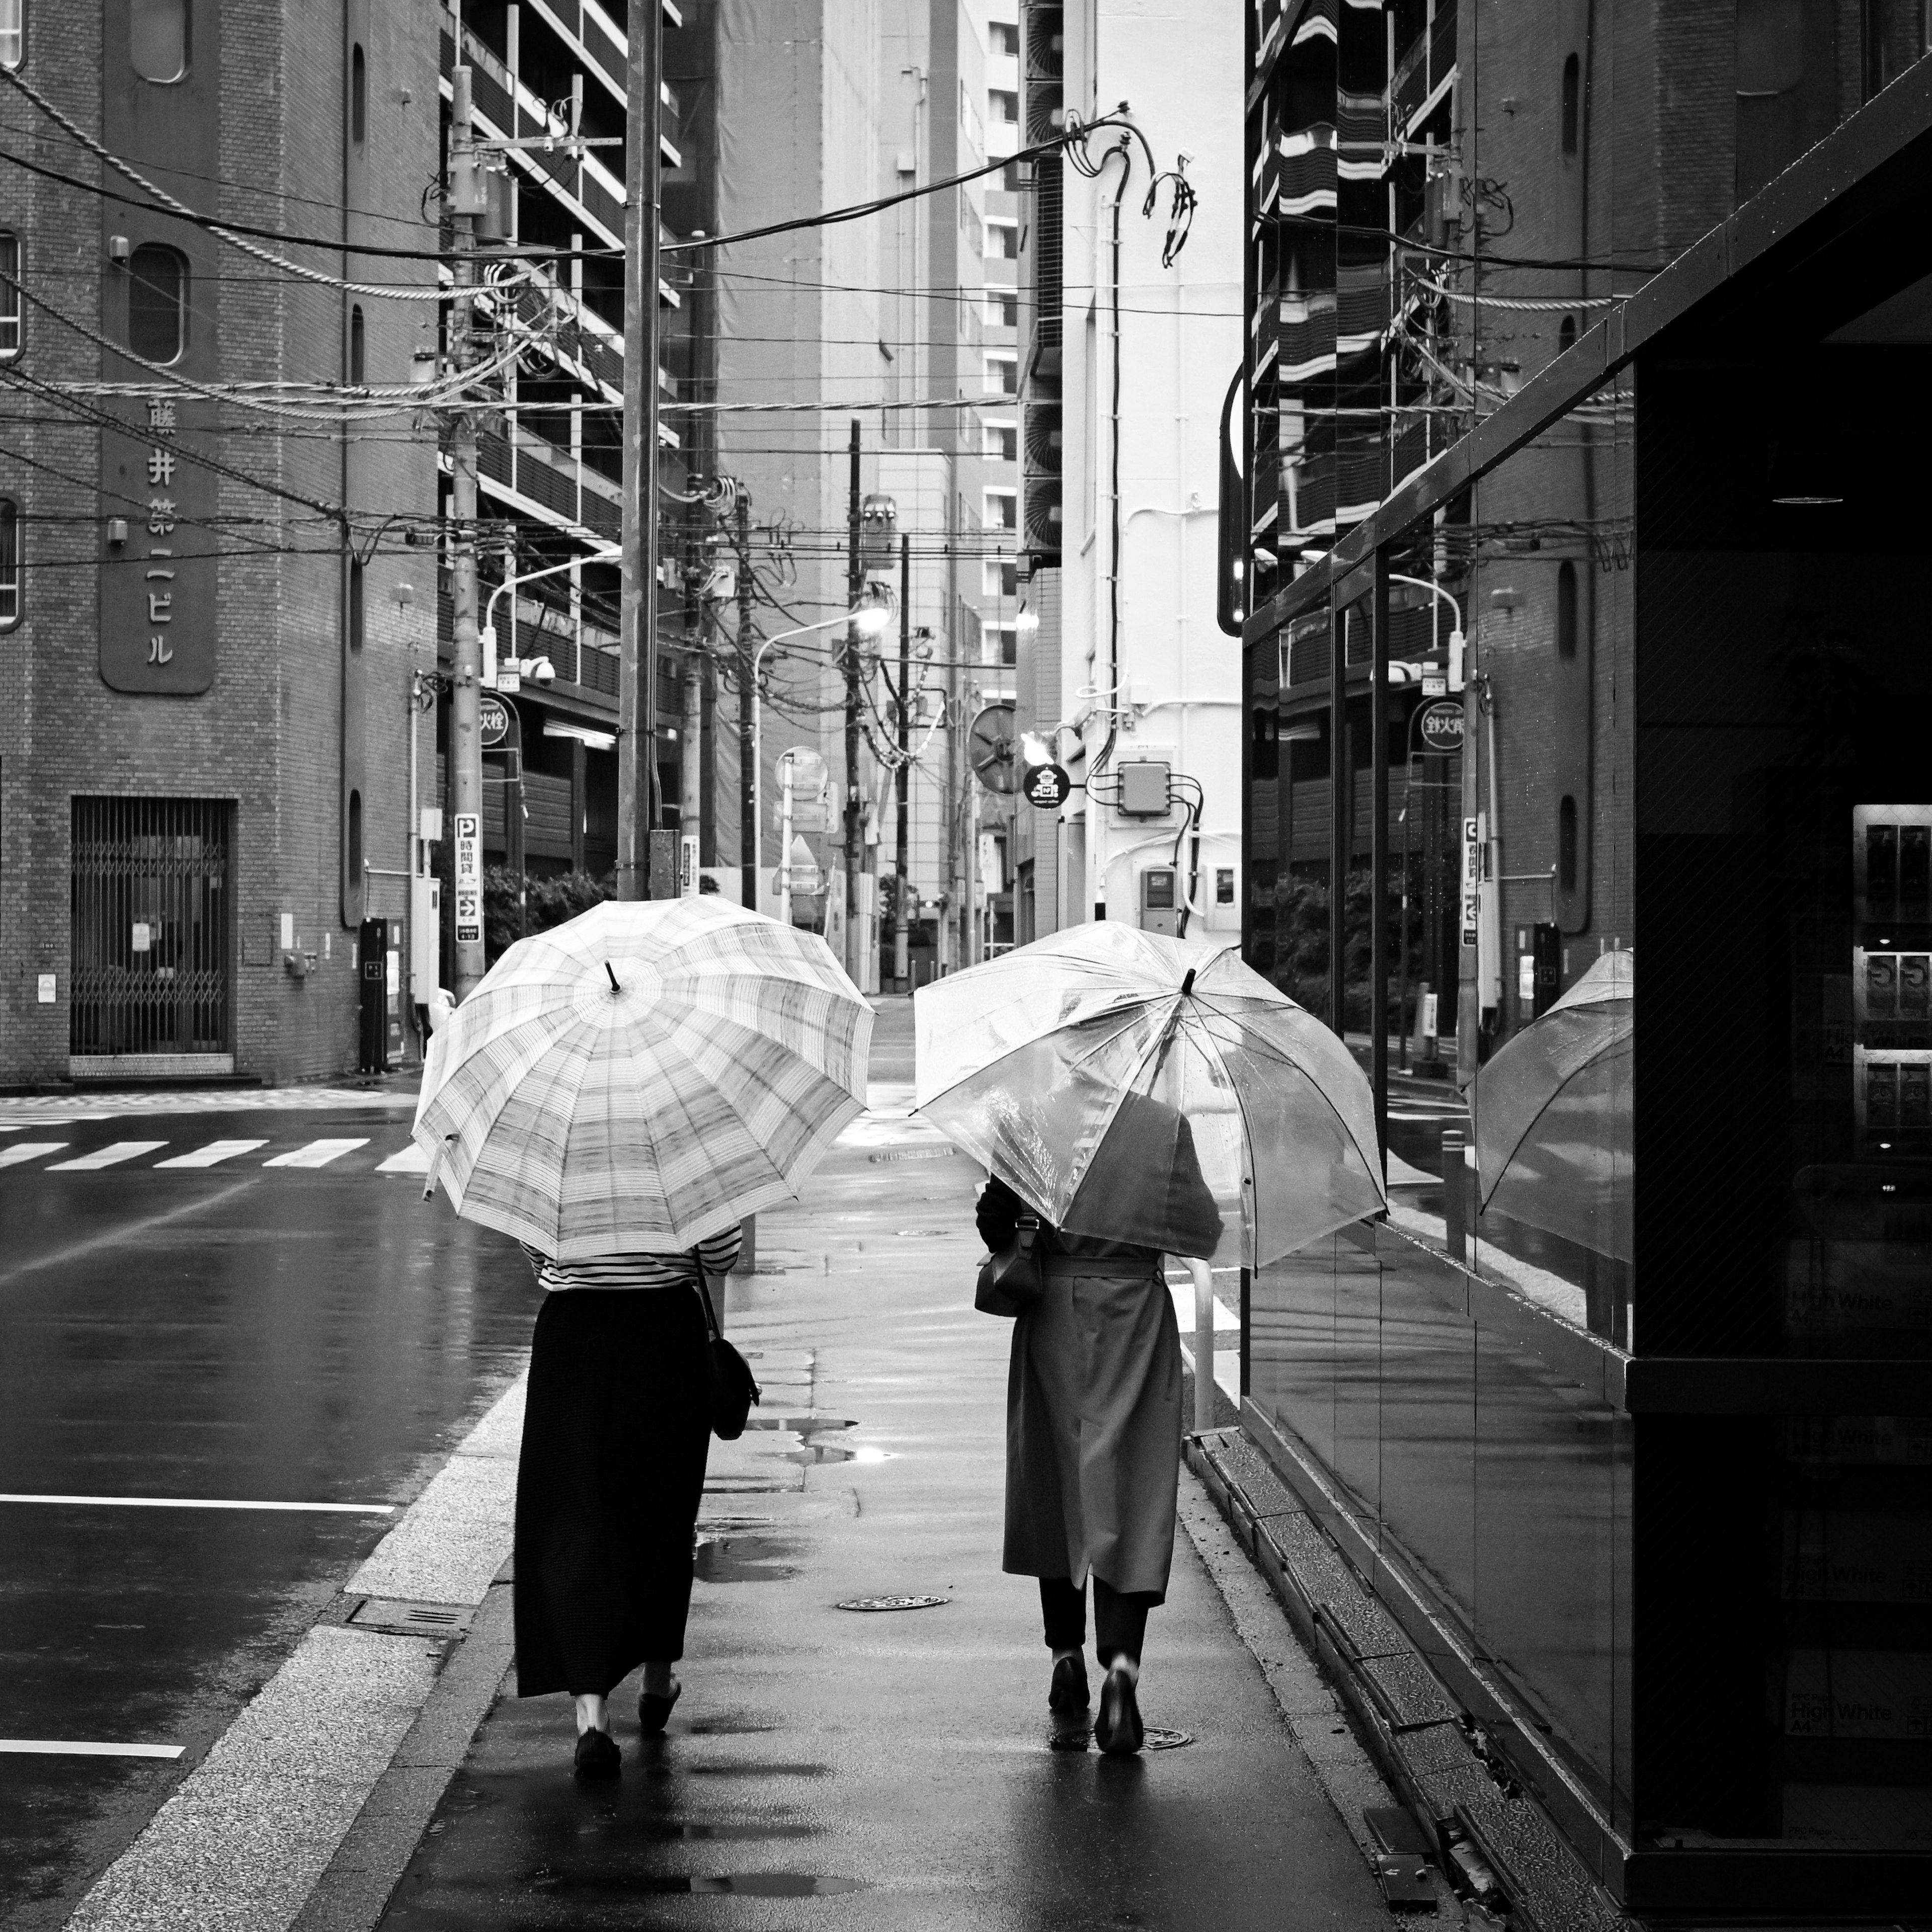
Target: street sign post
{"x":468,"y":829}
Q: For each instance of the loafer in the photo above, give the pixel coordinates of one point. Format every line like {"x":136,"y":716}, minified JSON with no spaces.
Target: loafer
{"x":1117,"y":1730}
{"x":1068,"y":1690}
{"x":654,"y":1711}
{"x":597,"y":1755}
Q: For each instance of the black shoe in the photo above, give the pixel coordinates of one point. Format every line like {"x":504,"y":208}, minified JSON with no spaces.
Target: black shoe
{"x":654,"y":1711}
{"x":1117,"y":1730}
{"x":597,"y":1755}
{"x":1068,"y":1690}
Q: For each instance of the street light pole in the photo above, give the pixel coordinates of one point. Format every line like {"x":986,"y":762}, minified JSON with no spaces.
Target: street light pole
{"x":901,"y":916}
{"x":466,"y":696}
{"x":751,"y":833}
{"x":854,"y":583}
{"x":637,"y":647}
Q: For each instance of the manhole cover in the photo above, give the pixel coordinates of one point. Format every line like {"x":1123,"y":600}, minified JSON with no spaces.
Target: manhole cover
{"x":891,"y":1603}
{"x":1153,"y":1738}
{"x":417,"y":1619}
{"x":1157,"y":1739}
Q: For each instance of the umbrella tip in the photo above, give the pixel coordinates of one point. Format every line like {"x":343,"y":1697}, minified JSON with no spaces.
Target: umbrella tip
{"x":1187,"y":985}
{"x":615,"y":988}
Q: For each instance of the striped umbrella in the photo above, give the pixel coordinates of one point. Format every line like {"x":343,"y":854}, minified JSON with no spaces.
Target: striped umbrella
{"x":643,"y":1077}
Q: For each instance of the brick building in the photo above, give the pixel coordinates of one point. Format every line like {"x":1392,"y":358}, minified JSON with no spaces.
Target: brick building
{"x":207,"y":640}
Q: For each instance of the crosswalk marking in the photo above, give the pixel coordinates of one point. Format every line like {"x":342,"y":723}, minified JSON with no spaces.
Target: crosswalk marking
{"x":76,"y":1747}
{"x":411,"y":1160}
{"x":28,"y":1150}
{"x":215,"y":1152}
{"x":317,"y":1153}
{"x":107,"y":1156}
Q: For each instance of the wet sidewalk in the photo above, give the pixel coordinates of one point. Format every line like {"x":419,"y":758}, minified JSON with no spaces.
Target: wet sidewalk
{"x":845,"y":1766}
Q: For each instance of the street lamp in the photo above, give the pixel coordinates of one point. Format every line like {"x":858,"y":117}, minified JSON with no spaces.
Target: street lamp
{"x":1454,"y":665}
{"x":487,"y":630}
{"x":868,"y":621}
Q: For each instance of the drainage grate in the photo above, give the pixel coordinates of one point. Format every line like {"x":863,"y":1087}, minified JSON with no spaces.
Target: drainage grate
{"x":379,"y":1613}
{"x":892,"y":1602}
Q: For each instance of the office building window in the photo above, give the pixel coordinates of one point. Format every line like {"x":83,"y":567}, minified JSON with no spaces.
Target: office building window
{"x":1003,"y":241}
{"x":1572,"y":103}
{"x":158,"y":38}
{"x":358,"y":345}
{"x":357,"y":607}
{"x":10,"y":563}
{"x":13,"y":32}
{"x":157,"y":304}
{"x":1002,"y":375}
{"x":1003,"y":105}
{"x":1002,"y":308}
{"x":359,"y":95}
{"x":1003,"y":644}
{"x":1002,"y":443}
{"x":1005,"y":38}
{"x":1002,"y":509}
{"x":10,"y":295}
{"x":1001,"y":577}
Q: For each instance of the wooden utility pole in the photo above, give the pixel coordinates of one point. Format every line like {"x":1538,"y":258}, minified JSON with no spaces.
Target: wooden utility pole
{"x":465,"y":695}
{"x":638,"y":640}
{"x":750,"y":832}
{"x":901,"y":915}
{"x":855,"y":582}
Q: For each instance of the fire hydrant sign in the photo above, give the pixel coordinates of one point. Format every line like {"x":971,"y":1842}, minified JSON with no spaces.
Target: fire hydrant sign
{"x":467,"y":828}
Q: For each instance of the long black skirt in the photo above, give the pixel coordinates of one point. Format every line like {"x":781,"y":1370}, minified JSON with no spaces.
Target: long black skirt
{"x":615,"y":1432}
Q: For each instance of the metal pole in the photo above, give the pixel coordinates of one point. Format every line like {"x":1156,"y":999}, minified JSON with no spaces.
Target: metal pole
{"x":854,"y":583}
{"x":901,"y":914}
{"x":1402,"y":961}
{"x":1455,"y":1195}
{"x":1204,"y":1345}
{"x":750,"y":832}
{"x":1379,"y":841}
{"x":466,"y":732}
{"x":637,"y":650}
{"x":690,"y":725}
{"x":785,"y":839}
{"x":1341,"y":788}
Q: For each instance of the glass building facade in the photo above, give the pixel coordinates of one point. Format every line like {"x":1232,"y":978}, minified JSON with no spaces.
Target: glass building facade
{"x":1583,"y":533}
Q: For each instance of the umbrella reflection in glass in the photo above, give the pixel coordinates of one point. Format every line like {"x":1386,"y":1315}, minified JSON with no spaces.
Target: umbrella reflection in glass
{"x":1554,"y":1145}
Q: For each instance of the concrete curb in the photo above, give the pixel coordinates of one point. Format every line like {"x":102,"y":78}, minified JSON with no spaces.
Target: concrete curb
{"x":1427,"y":1747}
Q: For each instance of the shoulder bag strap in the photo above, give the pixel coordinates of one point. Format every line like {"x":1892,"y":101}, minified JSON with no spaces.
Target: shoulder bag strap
{"x":704,"y":1293}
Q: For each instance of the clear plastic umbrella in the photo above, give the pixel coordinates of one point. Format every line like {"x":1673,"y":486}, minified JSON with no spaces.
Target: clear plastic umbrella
{"x":1137,"y":1088}
{"x":642,"y":1077}
{"x":1554,"y":1119}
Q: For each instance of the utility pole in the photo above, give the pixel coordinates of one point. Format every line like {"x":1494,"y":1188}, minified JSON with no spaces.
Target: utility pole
{"x":854,"y":583}
{"x":690,"y":725}
{"x":750,"y":832}
{"x":637,"y":636}
{"x":901,"y":916}
{"x":466,"y":696}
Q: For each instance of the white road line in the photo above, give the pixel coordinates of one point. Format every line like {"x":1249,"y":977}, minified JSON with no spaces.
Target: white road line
{"x":72,"y":1747}
{"x":317,"y":1153}
{"x":28,"y":1150}
{"x":215,"y":1151}
{"x":107,"y":1156}
{"x":203,"y":1502}
{"x":411,"y":1160}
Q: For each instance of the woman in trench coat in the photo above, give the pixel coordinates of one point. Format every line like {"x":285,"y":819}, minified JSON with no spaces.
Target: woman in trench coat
{"x":1093,"y":1428}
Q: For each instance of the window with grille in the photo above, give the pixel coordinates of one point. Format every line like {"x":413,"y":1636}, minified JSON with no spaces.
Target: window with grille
{"x":151,"y":929}
{"x":10,"y":295}
{"x":157,"y":304}
{"x":10,"y":563}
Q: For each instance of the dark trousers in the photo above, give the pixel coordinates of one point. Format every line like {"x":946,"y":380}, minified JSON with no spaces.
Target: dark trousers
{"x":1119,"y":1617}
{"x":616,"y":1428}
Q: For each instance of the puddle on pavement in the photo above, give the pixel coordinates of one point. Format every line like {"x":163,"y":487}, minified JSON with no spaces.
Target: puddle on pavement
{"x":664,"y":1830}
{"x":833,"y":1452}
{"x":748,"y":1884}
{"x":743,"y":1559}
{"x":802,"y":1425}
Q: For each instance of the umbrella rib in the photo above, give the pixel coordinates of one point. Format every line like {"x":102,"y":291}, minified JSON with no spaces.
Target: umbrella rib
{"x":1529,"y":1125}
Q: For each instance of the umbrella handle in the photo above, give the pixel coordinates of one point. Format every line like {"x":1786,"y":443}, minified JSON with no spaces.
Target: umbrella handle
{"x":436,"y":1167}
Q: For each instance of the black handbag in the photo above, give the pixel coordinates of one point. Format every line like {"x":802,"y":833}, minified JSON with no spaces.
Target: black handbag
{"x":1013,"y":1280}
{"x":733,"y":1391}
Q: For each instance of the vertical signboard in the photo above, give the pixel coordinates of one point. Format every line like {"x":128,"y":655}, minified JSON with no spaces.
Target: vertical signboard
{"x":687,"y":865}
{"x":468,"y":833}
{"x":1472,"y":879}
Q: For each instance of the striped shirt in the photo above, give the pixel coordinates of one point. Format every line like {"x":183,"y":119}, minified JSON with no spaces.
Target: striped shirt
{"x":719,"y":1253}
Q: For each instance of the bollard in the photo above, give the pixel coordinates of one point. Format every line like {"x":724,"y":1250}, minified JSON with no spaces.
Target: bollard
{"x":1455,"y":1195}
{"x":747,"y":1245}
{"x":1204,"y":1345}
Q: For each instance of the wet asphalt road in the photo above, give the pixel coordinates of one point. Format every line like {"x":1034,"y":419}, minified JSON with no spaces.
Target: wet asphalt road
{"x":896,"y":1770}
{"x":239,"y":1331}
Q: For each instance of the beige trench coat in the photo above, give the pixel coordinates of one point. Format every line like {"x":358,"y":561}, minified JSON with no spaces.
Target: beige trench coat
{"x":1093,"y":1425}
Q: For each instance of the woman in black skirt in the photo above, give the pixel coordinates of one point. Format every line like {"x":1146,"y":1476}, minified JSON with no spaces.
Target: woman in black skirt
{"x":616,"y":1428}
